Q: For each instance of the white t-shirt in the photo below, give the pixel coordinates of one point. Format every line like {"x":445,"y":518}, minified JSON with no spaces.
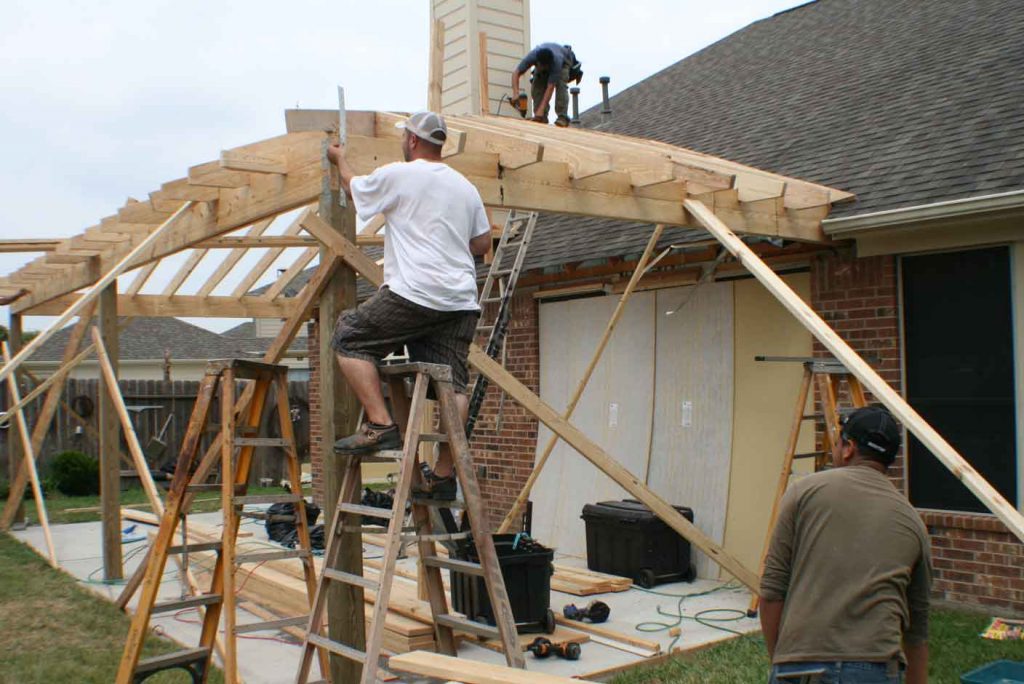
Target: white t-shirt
{"x":432,"y":213}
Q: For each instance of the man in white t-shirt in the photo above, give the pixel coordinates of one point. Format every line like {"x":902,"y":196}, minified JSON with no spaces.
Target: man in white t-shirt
{"x":436,"y":224}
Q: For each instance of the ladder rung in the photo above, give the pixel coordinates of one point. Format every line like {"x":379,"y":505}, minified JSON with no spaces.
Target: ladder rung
{"x":195,"y":548}
{"x":490,"y":300}
{"x":335,"y":647}
{"x":261,"y":442}
{"x":501,"y":272}
{"x":262,"y":515}
{"x":301,"y":620}
{"x":190,"y":602}
{"x":167,"y":660}
{"x":371,"y":511}
{"x":387,"y":455}
{"x":810,"y":454}
{"x":433,"y":437}
{"x":261,"y":556}
{"x":265,"y":499}
{"x":349,"y":578}
{"x":489,"y":326}
{"x":455,"y":536}
{"x":813,"y":416}
{"x":464,"y":625}
{"x":453,"y":564}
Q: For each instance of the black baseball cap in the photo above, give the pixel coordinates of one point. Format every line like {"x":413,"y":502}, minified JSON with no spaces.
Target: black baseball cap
{"x":874,"y":430}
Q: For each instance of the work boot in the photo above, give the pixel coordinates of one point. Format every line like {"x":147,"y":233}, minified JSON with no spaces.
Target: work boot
{"x":562,"y":121}
{"x":440,"y":488}
{"x":370,"y":437}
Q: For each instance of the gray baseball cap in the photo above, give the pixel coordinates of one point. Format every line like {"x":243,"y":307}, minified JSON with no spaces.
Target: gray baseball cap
{"x":427,"y":125}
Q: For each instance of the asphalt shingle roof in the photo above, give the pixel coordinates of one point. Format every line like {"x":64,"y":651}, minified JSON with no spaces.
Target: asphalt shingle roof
{"x":146,"y":338}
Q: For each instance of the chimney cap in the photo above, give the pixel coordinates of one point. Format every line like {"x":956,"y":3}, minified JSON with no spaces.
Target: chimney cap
{"x":605,"y":79}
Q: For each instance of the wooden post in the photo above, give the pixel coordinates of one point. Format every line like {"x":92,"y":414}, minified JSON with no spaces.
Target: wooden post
{"x":30,"y":462}
{"x":15,"y":454}
{"x":859,"y":368}
{"x":485,"y":96}
{"x":436,"y":76}
{"x":46,"y":413}
{"x":641,"y":267}
{"x":339,"y":411}
{"x":110,"y":434}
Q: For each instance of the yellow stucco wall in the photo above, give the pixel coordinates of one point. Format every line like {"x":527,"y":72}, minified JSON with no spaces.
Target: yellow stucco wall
{"x":763,"y":404}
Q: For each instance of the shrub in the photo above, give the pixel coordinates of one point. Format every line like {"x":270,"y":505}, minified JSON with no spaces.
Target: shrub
{"x":75,"y":474}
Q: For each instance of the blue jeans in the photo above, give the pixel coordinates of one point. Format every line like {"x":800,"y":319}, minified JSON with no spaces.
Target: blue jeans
{"x":847,"y":672}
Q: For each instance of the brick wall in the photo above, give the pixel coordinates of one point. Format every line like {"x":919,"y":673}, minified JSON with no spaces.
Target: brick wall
{"x":976,"y":560}
{"x":316,"y":443}
{"x":506,"y":457}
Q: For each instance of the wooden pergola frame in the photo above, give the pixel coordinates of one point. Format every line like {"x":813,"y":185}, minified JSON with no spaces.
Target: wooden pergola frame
{"x":513,"y":164}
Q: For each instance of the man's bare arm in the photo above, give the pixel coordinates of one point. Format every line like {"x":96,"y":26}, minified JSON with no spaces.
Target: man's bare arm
{"x":917,"y":662}
{"x":480,"y":245}
{"x":336,"y":154}
{"x":771,"y":617}
{"x":515,"y":82}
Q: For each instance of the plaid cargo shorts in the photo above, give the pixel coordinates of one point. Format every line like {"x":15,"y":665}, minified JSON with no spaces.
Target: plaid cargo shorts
{"x":386,"y":321}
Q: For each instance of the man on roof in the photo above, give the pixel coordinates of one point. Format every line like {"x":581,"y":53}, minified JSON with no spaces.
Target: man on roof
{"x":436,"y":224}
{"x":552,"y":64}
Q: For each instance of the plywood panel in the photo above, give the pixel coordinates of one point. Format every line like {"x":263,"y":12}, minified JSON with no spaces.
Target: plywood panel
{"x":763,"y":408}
{"x":615,"y":410}
{"x":691,"y":446}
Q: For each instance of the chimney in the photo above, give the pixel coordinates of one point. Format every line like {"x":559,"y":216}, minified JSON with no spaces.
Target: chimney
{"x":575,"y":92}
{"x":606,"y":106}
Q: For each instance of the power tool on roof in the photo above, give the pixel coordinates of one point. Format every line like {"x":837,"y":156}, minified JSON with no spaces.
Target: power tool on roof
{"x":542,"y":648}
{"x":519,"y":103}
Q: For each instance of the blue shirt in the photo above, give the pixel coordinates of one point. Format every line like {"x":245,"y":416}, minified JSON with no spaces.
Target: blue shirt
{"x":531,"y":59}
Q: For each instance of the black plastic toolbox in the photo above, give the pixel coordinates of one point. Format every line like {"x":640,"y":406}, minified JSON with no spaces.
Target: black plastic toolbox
{"x":527,"y":571}
{"x":625,"y":538}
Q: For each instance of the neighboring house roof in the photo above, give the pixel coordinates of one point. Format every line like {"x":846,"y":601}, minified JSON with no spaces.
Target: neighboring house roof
{"x":146,"y":339}
{"x":900,"y":102}
{"x":250,"y":346}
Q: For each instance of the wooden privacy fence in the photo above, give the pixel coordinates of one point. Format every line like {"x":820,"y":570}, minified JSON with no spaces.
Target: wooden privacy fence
{"x":150,"y":403}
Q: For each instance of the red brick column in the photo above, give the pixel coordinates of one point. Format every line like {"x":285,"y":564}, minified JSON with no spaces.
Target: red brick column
{"x":505,"y":458}
{"x":316,"y":446}
{"x":859,"y":299}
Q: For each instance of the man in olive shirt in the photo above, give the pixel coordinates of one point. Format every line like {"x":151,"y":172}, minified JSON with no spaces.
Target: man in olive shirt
{"x":848,"y":571}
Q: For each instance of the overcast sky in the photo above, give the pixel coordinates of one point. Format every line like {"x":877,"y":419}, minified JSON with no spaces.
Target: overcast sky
{"x":108,"y":99}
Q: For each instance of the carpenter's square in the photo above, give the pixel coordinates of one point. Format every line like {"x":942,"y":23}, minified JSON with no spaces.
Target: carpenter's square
{"x":342,"y":137}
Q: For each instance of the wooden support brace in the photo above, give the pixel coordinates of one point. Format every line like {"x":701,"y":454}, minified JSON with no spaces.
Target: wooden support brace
{"x":871,"y":380}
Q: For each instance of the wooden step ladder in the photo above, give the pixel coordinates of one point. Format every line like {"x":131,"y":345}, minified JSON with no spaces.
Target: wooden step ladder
{"x":239,"y":439}
{"x":828,"y":375}
{"x":347,"y":518}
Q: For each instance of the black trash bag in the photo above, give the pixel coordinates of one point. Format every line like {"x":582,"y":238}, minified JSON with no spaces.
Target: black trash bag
{"x":280,"y":521}
{"x":377,"y":500}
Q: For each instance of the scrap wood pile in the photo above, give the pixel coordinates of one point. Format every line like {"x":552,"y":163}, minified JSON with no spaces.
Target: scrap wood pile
{"x":276,"y":588}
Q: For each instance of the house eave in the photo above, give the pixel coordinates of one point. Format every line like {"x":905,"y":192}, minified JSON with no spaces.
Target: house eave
{"x":919,"y":216}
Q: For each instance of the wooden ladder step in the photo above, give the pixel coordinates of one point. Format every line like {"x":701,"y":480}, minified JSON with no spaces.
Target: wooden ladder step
{"x":260,"y":556}
{"x":349,"y":578}
{"x":190,"y":602}
{"x":388,"y":454}
{"x":298,"y":621}
{"x":464,"y":625}
{"x":262,"y":442}
{"x":433,"y":437}
{"x":810,"y":454}
{"x":195,"y":548}
{"x":370,"y":511}
{"x":265,"y":499}
{"x":452,"y":564}
{"x":174,"y":659}
{"x":490,"y":300}
{"x":334,"y":647}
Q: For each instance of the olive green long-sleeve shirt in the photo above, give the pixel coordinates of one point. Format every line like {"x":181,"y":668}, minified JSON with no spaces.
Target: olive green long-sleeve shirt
{"x":851,"y":559}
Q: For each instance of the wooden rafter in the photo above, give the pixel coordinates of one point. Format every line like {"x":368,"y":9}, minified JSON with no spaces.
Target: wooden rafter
{"x":233,"y":257}
{"x":184,"y":305}
{"x":268,"y":258}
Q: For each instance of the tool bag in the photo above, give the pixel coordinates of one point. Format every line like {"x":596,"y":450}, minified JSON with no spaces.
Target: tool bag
{"x":575,"y":65}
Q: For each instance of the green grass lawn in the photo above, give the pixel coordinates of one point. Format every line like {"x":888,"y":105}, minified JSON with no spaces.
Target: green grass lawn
{"x":64,"y":509}
{"x":955,"y":648}
{"x":54,"y":630}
